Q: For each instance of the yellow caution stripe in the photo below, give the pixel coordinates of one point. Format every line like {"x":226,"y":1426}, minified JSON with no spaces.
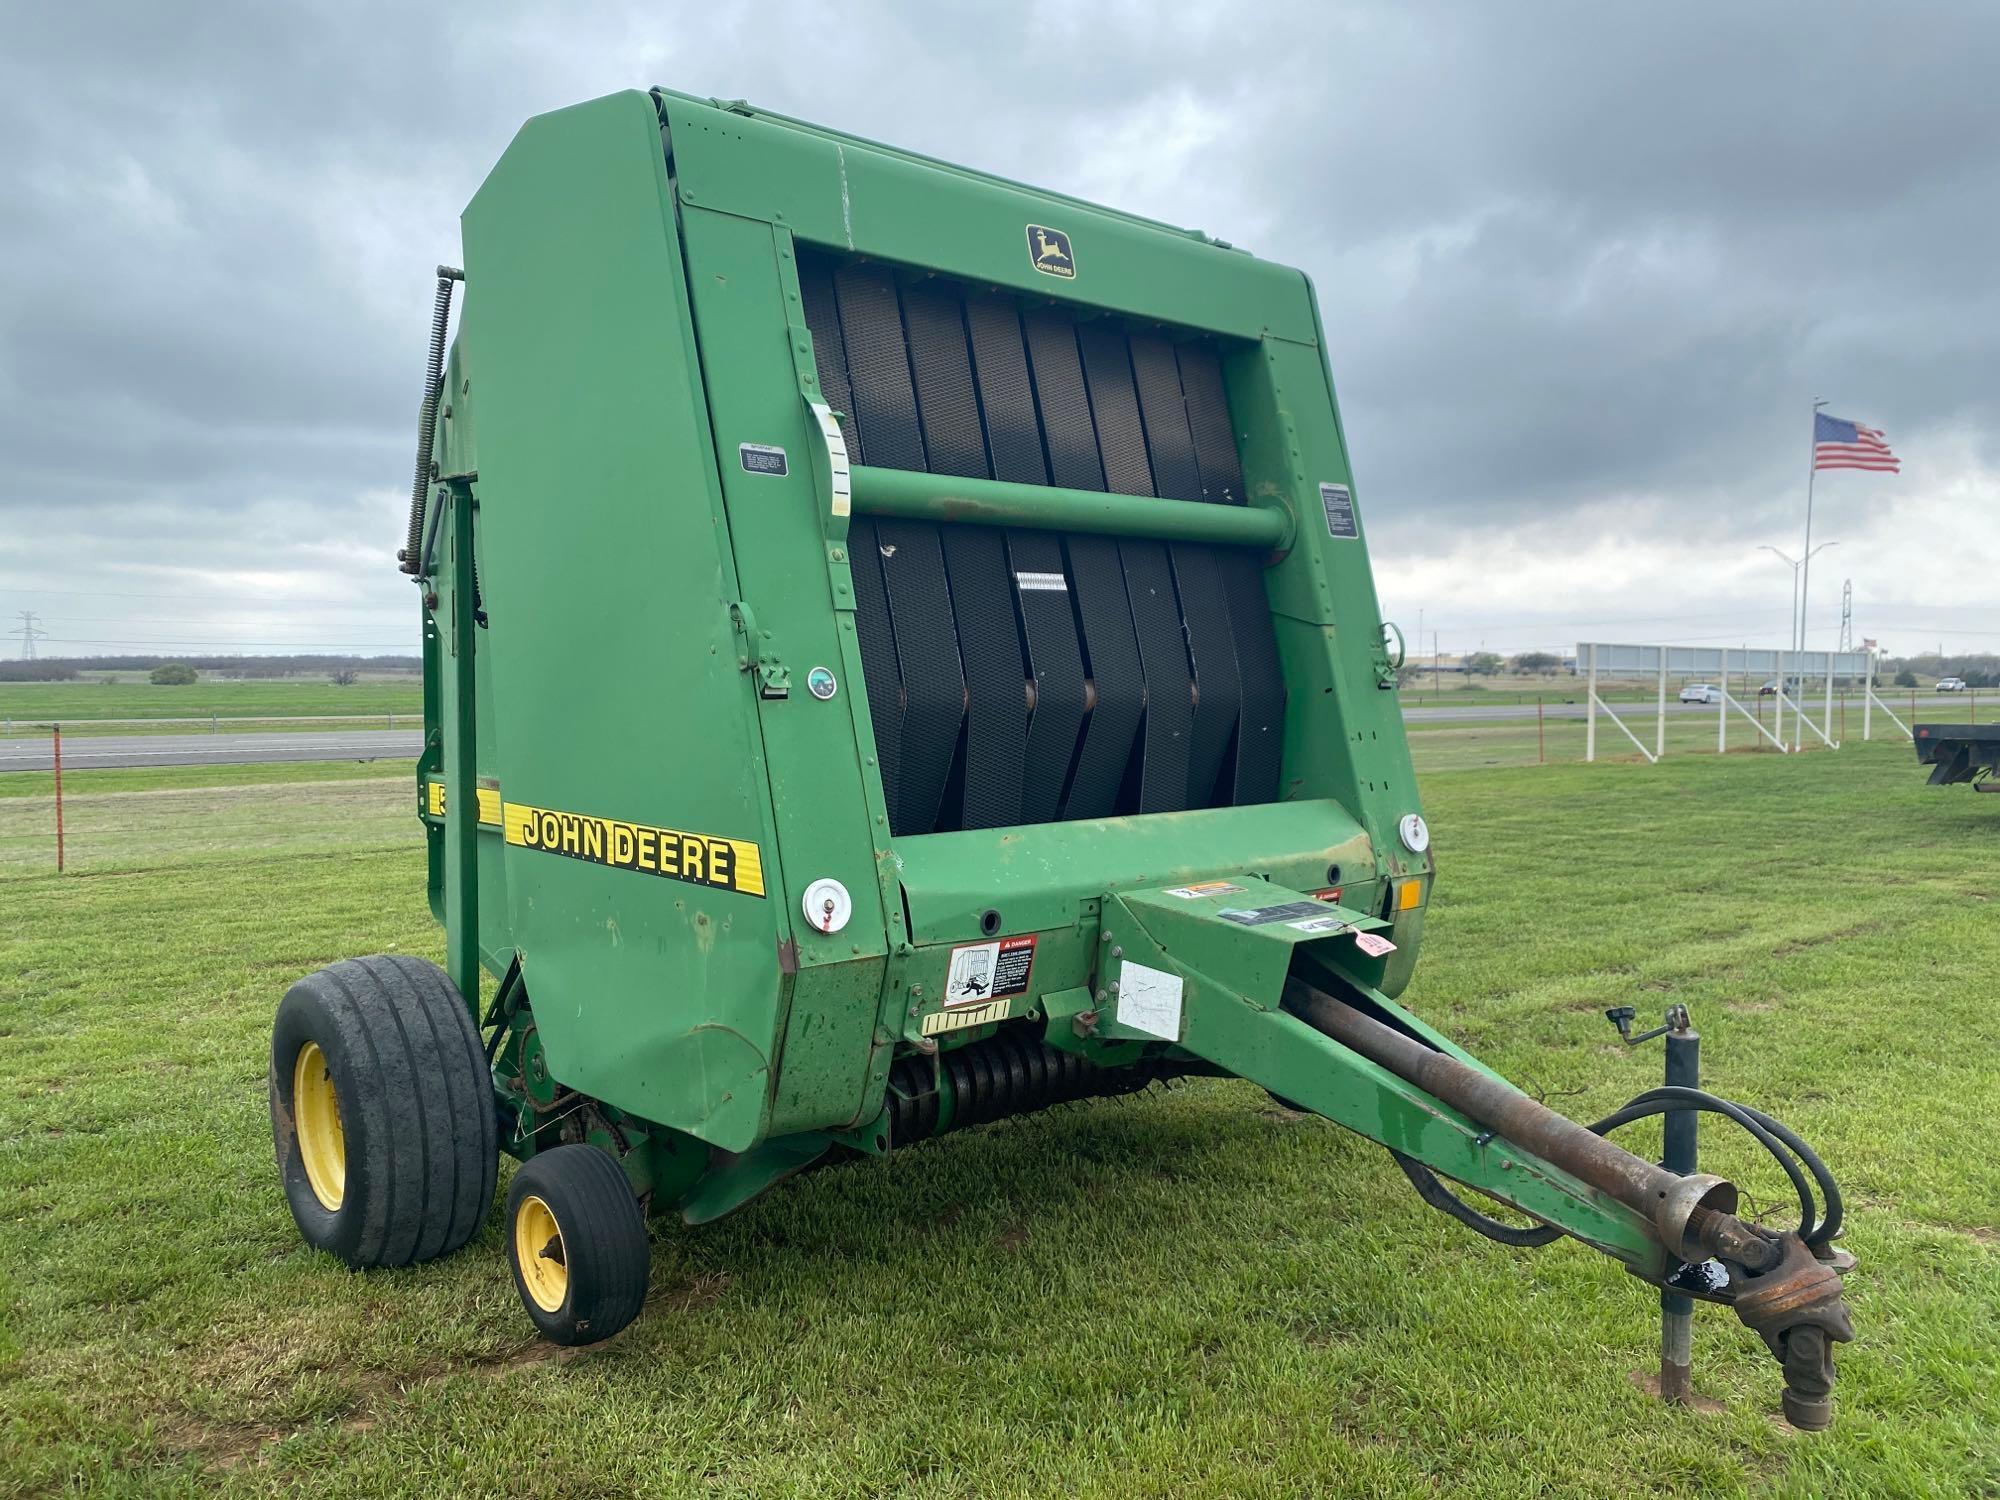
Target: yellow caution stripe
{"x":695,"y":858}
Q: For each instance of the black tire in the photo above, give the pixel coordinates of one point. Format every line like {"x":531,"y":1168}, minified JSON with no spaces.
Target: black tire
{"x":414,"y":1122}
{"x":599,"y":1250}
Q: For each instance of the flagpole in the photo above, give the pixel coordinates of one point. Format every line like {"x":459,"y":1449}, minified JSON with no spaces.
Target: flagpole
{"x":1805,"y":566}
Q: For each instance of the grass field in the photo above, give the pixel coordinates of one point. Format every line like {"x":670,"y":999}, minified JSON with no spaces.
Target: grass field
{"x":1189,"y":1293}
{"x":73,"y":704}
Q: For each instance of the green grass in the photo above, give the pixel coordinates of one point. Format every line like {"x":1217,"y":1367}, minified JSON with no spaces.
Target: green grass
{"x":74,"y":703}
{"x":181,"y":778}
{"x":1191,"y":1293}
{"x":178,"y":827}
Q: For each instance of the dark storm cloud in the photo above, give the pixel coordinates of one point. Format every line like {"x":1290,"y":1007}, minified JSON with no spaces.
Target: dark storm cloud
{"x":1569,"y":255}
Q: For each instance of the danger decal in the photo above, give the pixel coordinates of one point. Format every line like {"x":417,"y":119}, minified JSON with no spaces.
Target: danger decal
{"x":694,"y":858}
{"x":989,"y":971}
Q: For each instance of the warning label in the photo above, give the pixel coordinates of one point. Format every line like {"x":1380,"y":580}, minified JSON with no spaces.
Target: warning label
{"x":989,"y":971}
{"x":1257,"y":916}
{"x":1338,"y":503}
{"x":1206,"y":888}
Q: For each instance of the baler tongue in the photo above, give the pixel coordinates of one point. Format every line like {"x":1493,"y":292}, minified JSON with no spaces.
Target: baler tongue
{"x":1275,"y":988}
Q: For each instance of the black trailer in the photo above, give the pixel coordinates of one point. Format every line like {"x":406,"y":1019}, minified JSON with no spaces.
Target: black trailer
{"x":1960,"y":752}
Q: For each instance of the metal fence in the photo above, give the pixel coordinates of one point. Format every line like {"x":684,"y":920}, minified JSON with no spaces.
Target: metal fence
{"x":178,"y":827}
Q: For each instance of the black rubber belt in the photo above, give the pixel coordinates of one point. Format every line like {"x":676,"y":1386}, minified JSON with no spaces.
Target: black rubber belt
{"x":982,"y":588}
{"x":1096,"y":576}
{"x":913,"y":574}
{"x":1211,"y":642}
{"x":1260,"y":747}
{"x":1041,"y":587}
{"x":1165,"y":735}
{"x":877,"y":637}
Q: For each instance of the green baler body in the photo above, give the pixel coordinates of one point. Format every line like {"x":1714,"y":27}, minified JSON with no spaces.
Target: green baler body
{"x":632,"y":694}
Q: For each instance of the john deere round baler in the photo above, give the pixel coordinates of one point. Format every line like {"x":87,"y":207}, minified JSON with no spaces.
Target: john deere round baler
{"x":900,"y":651}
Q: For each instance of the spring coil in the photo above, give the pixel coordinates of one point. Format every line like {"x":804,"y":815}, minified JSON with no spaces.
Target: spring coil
{"x":412,"y":553}
{"x":1010,"y":1073}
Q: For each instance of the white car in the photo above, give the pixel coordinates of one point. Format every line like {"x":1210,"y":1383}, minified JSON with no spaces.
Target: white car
{"x":1951,"y":684}
{"x":1701,"y":692}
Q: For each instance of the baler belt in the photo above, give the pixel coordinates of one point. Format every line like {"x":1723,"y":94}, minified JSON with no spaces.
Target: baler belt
{"x":1165,"y":732}
{"x":1012,"y":675}
{"x":1259,"y":736}
{"x":871,"y":612}
{"x":982,"y":593}
{"x":1210,"y":640}
{"x":1048,"y":625}
{"x":912,"y":556}
{"x":1096,"y":576}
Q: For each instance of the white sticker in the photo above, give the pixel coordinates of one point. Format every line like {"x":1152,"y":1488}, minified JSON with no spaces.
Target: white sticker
{"x":1052,"y":582}
{"x":1319,"y":924}
{"x":1372,"y":945}
{"x":836,"y":458}
{"x":1149,"y":1000}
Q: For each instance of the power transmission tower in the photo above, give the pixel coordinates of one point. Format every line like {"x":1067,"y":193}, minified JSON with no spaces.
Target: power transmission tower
{"x":29,"y":632}
{"x":1847,"y":615}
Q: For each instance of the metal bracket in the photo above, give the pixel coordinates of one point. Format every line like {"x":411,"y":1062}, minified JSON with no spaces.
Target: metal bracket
{"x":1622,"y":1017}
{"x":755,"y":653}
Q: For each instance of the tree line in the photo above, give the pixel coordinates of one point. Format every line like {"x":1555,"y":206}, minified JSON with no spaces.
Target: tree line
{"x":71,"y":668}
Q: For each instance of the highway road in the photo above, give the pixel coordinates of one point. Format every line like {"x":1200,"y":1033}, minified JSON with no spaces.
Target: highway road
{"x":90,"y":752}
{"x":1449,"y":713}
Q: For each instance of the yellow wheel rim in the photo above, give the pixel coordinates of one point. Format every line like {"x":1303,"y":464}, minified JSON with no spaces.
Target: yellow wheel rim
{"x":538,"y":1251}
{"x":316,"y":1118}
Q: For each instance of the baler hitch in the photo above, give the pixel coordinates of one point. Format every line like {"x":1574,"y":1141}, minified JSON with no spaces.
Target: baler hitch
{"x":1777,"y":1282}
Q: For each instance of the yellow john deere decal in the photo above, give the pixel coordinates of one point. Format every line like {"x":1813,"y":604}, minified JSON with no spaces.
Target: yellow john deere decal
{"x":697,"y":858}
{"x":489,"y":802}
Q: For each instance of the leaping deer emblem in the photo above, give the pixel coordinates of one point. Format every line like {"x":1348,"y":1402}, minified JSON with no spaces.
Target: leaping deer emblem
{"x":1048,"y":249}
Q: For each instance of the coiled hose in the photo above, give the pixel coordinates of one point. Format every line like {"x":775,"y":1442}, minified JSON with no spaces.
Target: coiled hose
{"x":1784,"y":1145}
{"x":411,"y":556}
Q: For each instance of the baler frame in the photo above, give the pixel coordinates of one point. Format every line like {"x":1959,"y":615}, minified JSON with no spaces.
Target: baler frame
{"x":655,"y":284}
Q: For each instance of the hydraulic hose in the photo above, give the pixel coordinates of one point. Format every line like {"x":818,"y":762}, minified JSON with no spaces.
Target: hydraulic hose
{"x":1780,"y":1289}
{"x":1783,"y":1144}
{"x":411,"y":557}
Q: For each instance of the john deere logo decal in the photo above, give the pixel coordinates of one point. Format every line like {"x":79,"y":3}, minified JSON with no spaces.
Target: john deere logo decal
{"x":1048,"y":252}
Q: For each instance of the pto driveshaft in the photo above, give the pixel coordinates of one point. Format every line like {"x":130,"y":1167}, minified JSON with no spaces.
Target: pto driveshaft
{"x":1778,"y":1287}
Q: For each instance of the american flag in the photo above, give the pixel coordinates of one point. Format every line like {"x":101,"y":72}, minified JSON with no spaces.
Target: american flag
{"x":1849,"y":445}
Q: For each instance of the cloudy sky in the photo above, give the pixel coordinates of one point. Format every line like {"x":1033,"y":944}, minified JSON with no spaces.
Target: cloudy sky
{"x":1584,"y":268}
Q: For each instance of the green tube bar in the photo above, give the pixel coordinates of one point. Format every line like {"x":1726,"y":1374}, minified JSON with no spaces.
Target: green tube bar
{"x":941,"y":497}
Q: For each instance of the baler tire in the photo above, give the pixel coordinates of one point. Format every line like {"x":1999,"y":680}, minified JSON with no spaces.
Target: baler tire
{"x":391,"y":1156}
{"x":577,"y":1244}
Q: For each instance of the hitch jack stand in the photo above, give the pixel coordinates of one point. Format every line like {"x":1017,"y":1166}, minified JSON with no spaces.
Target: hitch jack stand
{"x":1680,"y":1154}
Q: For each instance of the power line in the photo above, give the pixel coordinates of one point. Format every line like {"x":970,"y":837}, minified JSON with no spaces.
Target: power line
{"x":29,"y":632}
